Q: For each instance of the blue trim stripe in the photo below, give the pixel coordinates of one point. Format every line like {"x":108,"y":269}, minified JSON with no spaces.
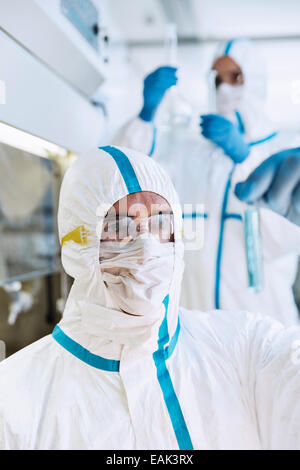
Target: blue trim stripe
{"x":194,"y":215}
{"x":220,"y":245}
{"x":241,"y":126}
{"x":172,"y":403}
{"x":265,"y":139}
{"x":83,"y":354}
{"x":163,"y":334}
{"x":168,"y":351}
{"x":228,"y":46}
{"x":125,"y":168}
{"x":233,"y":216}
{"x":166,"y":385}
{"x":153,"y":142}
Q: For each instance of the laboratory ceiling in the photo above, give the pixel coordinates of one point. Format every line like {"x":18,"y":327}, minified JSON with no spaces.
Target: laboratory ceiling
{"x":142,"y":21}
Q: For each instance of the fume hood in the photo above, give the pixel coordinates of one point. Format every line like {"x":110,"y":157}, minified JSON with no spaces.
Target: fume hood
{"x":51,"y":63}
{"x":53,"y":59}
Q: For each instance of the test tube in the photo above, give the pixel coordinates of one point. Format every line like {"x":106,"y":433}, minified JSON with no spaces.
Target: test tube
{"x":212,"y":109}
{"x":171,"y":45}
{"x":253,"y":249}
{"x":177,"y":112}
{"x":212,"y":91}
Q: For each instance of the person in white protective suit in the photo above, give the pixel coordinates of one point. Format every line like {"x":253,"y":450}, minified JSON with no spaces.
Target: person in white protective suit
{"x":126,"y":368}
{"x":206,"y":170}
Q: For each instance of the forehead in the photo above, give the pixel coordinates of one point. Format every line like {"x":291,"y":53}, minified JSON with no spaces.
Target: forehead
{"x":152,"y":202}
{"x":225,"y":63}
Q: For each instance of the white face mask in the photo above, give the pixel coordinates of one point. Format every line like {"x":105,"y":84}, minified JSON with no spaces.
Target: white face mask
{"x":229,"y":98}
{"x":137,"y":275}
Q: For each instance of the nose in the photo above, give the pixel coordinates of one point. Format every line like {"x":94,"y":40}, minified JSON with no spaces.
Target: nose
{"x":142,"y":224}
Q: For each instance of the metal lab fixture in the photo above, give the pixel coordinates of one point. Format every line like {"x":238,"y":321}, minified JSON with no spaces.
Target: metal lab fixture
{"x":85,"y":17}
{"x":29,"y":247}
{"x":20,"y":301}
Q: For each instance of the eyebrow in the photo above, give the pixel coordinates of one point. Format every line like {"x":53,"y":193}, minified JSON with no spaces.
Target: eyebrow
{"x":156,"y":211}
{"x":118,"y":215}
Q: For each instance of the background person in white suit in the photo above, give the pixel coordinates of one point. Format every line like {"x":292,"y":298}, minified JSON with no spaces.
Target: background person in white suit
{"x":206,"y":170}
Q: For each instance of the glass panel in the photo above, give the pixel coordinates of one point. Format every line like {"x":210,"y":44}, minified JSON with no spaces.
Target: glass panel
{"x":29,"y":245}
{"x":84,"y":16}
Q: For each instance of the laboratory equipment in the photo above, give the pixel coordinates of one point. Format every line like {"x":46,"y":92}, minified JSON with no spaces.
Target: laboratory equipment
{"x":29,"y":245}
{"x":253,"y":249}
{"x":20,"y":301}
{"x":212,"y":107}
{"x":175,"y":110}
{"x":84,"y":16}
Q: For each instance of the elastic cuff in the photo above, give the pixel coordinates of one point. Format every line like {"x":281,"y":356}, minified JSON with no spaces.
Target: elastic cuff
{"x":242,"y":155}
{"x":146,"y":115}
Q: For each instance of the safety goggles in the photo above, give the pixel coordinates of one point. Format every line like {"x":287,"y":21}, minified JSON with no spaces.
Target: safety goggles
{"x":126,"y":229}
{"x":232,"y":77}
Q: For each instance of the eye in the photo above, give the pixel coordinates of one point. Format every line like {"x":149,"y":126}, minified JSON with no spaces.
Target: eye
{"x":218,"y":81}
{"x":160,"y":220}
{"x":237,"y":77}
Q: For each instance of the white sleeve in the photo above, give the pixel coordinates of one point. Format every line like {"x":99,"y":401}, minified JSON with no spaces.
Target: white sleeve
{"x":280,"y":237}
{"x":2,"y":443}
{"x":137,"y":135}
{"x":273,"y":373}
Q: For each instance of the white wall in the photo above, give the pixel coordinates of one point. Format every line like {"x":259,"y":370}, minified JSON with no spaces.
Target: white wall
{"x":255,"y":18}
{"x":142,"y":20}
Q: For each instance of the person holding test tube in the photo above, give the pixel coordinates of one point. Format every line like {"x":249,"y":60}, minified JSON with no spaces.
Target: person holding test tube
{"x":235,"y":139}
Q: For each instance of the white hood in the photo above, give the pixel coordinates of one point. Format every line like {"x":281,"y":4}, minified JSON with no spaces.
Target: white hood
{"x":90,"y":187}
{"x":246,"y":55}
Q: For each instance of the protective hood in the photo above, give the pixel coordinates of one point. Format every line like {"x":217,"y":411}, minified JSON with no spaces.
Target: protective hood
{"x":90,"y":187}
{"x":251,"y":111}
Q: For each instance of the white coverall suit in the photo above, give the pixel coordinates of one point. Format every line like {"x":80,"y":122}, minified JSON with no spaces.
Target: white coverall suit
{"x":176,"y":379}
{"x":216,"y":276}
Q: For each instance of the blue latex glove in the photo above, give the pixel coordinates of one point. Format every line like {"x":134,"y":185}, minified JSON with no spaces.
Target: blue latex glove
{"x":226,"y":135}
{"x":155,"y":86}
{"x":275,"y":184}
